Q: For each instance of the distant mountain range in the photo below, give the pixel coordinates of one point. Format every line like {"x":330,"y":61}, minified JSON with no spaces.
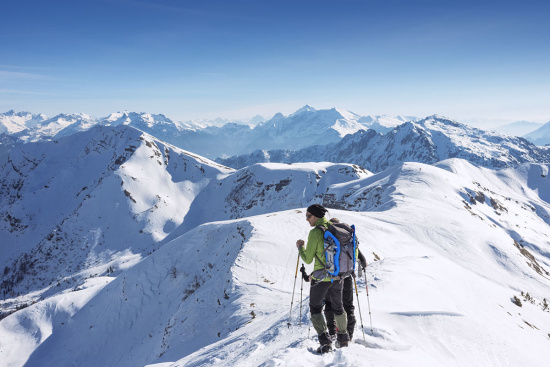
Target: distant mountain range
{"x":541,"y":136}
{"x":519,"y":128}
{"x":212,"y":139}
{"x":427,"y":141}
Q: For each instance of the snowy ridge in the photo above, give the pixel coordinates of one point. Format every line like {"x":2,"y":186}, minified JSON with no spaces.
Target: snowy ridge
{"x":428,"y":141}
{"x":449,"y":247}
{"x":265,"y":188}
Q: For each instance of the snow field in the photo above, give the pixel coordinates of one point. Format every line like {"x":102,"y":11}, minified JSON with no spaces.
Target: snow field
{"x":441,"y":288}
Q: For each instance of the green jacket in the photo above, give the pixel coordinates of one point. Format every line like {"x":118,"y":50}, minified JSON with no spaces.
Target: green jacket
{"x":315,"y":246}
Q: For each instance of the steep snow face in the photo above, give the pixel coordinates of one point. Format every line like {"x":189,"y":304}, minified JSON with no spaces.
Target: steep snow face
{"x":7,"y":142}
{"x":541,"y":136}
{"x":428,"y":141}
{"x":12,"y":122}
{"x":86,"y":205}
{"x":453,"y":250}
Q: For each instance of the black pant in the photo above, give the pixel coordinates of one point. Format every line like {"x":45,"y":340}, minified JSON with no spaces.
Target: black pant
{"x":347,"y":300}
{"x":323,"y":291}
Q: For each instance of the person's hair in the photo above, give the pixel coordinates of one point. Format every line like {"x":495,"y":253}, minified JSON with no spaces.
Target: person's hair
{"x":334,"y":220}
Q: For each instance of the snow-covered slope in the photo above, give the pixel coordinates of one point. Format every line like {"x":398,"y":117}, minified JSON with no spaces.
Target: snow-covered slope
{"x":12,"y":122}
{"x":450,"y":247}
{"x":7,"y":142}
{"x":428,"y":141}
{"x":87,"y":205}
{"x":541,"y":136}
{"x":56,"y":127}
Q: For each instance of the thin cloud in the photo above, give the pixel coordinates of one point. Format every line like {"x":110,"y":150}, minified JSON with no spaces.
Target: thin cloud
{"x":19,"y":67}
{"x":10,"y":76}
{"x":25,"y":92}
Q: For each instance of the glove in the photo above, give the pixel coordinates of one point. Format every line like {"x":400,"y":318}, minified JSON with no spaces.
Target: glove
{"x":305,"y":276}
{"x":362,"y":260}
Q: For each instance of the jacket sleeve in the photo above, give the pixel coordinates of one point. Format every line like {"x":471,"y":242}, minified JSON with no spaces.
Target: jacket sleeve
{"x":314,"y":245}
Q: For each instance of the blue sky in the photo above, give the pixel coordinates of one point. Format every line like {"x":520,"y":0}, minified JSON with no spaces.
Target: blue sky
{"x":236,"y":59}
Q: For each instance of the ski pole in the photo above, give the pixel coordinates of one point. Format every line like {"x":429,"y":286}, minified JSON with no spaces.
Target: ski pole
{"x":293,"y":288}
{"x":301,"y":290}
{"x":359,"y":307}
{"x":368,"y":300}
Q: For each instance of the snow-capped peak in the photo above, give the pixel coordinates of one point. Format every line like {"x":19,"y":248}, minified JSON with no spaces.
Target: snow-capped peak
{"x":12,"y":122}
{"x":306,"y":108}
{"x":348,"y":115}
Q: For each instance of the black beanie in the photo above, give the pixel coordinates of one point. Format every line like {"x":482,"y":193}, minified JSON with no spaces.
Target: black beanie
{"x":317,"y":210}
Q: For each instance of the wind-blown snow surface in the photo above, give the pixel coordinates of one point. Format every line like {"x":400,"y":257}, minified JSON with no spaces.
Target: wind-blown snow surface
{"x":456,"y":244}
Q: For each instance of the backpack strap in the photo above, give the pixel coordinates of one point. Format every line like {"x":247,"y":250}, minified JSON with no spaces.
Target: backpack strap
{"x":322,"y":228}
{"x":320,"y":260}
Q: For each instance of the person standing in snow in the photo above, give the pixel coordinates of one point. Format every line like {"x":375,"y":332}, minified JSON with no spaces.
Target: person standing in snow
{"x":347,"y":297}
{"x":321,"y":285}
